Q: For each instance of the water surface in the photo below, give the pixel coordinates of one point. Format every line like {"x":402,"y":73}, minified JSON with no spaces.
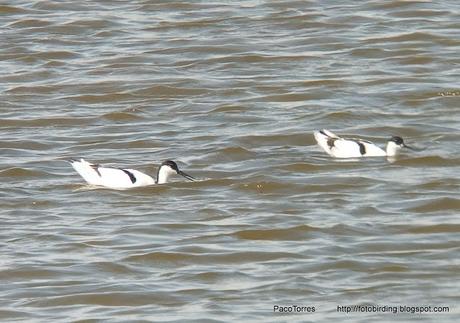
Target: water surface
{"x":232,"y":91}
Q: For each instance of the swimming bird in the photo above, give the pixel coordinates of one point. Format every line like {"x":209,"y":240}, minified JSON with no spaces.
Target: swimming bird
{"x":120,"y":178}
{"x":351,"y":148}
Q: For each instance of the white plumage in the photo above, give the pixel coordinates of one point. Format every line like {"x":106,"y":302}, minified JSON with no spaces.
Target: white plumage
{"x":120,"y":178}
{"x":340,"y":147}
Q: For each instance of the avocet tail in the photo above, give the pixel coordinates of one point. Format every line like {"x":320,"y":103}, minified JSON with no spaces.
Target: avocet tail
{"x":323,"y":138}
{"x":86,"y":170}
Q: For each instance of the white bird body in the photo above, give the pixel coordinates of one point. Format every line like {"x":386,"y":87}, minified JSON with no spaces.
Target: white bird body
{"x":120,"y":178}
{"x":339,"y":147}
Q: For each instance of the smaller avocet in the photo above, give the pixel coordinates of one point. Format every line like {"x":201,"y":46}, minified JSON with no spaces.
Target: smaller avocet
{"x":120,"y":178}
{"x":351,"y":148}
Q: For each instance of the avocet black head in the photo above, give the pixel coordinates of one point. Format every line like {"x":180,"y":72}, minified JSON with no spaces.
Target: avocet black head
{"x":395,"y":144}
{"x":397,"y":140}
{"x":169,"y":168}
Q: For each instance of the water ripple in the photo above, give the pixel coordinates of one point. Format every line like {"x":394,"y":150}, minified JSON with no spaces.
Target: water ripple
{"x":232,"y":92}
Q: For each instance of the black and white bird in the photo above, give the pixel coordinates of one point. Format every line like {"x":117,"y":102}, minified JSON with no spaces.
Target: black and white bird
{"x":120,"y":178}
{"x":339,"y":147}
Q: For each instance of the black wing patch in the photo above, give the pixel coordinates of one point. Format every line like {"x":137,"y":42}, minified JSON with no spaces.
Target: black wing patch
{"x":96,"y":168}
{"x":362,"y":148}
{"x":331,"y":142}
{"x":131,"y":175}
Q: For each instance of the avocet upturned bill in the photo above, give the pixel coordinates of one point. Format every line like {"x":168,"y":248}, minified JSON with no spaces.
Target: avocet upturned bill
{"x":351,"y":148}
{"x":120,"y":178}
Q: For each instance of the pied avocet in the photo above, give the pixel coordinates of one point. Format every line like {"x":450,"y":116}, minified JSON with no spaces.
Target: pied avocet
{"x":351,"y":148}
{"x":120,"y":178}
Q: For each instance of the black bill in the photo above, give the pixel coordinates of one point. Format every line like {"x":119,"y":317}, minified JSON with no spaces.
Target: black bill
{"x":412,"y":148}
{"x":187,"y":176}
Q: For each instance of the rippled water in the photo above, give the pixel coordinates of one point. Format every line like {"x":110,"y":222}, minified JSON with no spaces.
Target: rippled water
{"x":232,"y":91}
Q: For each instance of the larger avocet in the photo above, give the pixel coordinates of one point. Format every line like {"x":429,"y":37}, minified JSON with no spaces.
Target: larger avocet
{"x":120,"y":178}
{"x":351,"y":148}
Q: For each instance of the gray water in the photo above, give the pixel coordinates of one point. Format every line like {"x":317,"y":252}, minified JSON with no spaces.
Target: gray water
{"x":232,"y":91}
